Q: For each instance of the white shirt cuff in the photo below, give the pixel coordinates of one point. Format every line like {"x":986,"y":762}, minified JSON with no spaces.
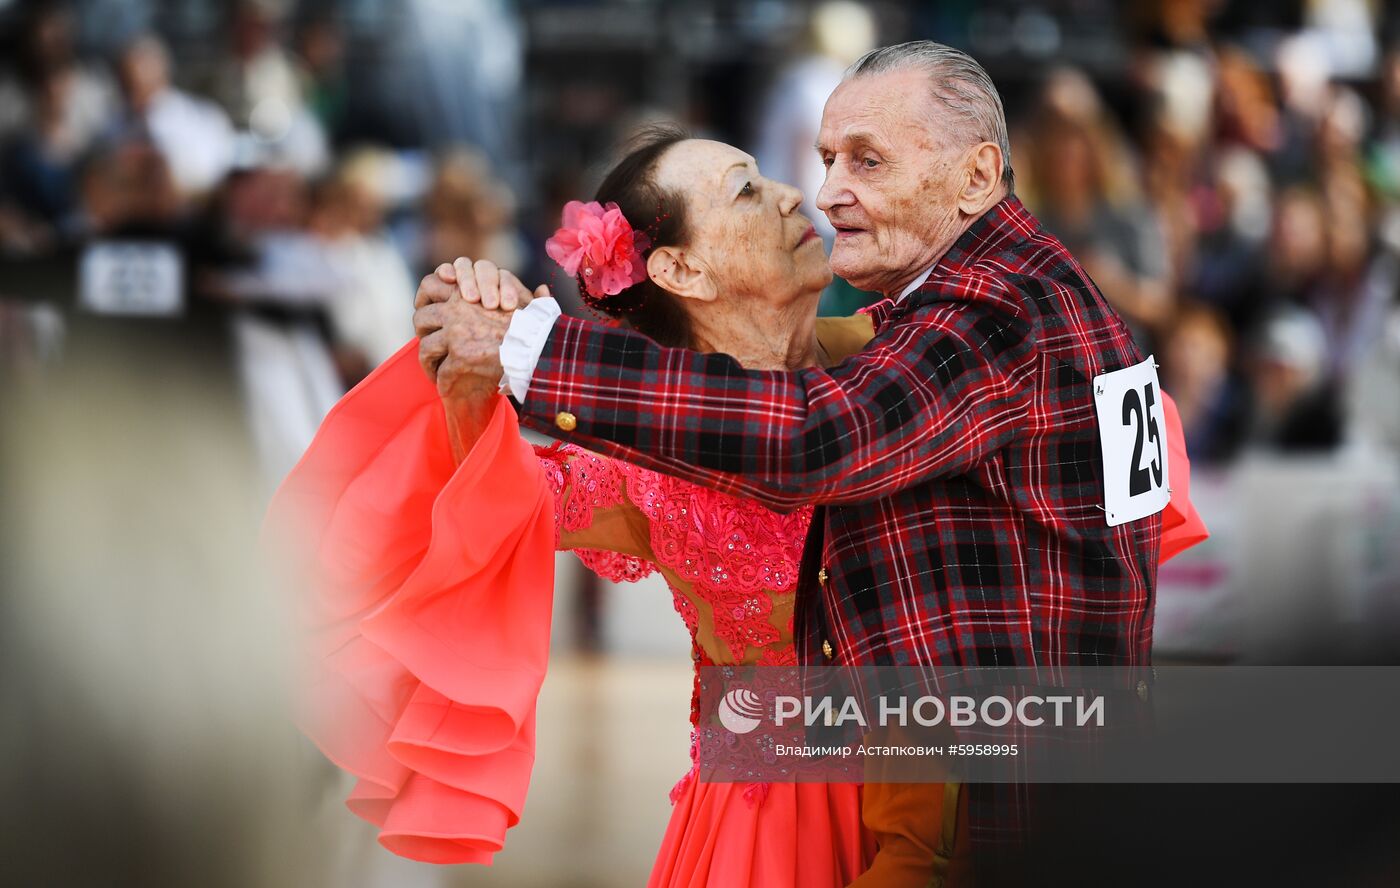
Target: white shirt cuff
{"x":524,"y":340}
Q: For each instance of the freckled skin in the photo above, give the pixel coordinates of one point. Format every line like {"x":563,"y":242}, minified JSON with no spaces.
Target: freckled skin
{"x":758,"y":281}
{"x":745,"y":243}
{"x":898,"y":175}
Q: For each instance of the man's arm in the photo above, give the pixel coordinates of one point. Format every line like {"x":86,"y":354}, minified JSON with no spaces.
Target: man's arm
{"x":934,"y":395}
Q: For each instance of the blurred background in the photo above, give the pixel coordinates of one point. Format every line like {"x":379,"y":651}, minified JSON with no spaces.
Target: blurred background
{"x":213,"y":217}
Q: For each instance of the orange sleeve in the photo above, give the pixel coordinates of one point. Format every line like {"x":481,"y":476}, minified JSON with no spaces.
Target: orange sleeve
{"x":1182,"y":526}
{"x":425,"y":589}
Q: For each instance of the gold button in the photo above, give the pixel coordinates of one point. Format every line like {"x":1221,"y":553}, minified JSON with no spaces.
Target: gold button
{"x":566,"y":421}
{"x":1142,"y":691}
{"x":826,"y":649}
{"x":821,"y":576}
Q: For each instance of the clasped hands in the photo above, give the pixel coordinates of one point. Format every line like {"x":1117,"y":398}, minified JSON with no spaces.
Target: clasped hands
{"x":461,"y":313}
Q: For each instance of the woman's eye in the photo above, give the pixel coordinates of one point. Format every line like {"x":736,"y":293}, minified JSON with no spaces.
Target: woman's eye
{"x":747,"y":190}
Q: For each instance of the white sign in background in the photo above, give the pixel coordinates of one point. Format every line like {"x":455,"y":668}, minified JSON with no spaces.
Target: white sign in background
{"x":132,"y":278}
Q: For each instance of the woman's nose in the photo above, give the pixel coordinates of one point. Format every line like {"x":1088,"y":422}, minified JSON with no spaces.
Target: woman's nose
{"x":789,"y":200}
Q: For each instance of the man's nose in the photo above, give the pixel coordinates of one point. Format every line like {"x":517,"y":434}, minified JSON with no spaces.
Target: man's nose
{"x":834,"y":192}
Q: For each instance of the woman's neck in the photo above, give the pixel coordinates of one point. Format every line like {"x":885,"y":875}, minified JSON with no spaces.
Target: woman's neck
{"x":760,"y":335}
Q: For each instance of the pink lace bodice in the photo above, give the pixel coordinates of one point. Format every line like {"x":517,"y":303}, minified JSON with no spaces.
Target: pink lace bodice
{"x":730,"y":563}
{"x":729,"y":556}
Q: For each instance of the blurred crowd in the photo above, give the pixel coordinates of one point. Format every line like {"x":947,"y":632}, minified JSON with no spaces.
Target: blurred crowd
{"x":1235,"y":191}
{"x":1245,"y":220}
{"x":305,"y":240}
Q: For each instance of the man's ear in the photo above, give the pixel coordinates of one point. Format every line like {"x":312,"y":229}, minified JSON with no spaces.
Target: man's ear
{"x":982,"y":185}
{"x":676,"y":271}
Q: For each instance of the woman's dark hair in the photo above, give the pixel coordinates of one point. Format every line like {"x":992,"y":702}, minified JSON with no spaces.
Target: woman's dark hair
{"x":631,"y":184}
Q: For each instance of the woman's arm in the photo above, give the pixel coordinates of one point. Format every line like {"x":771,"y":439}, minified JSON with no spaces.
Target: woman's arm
{"x":592,"y":508}
{"x":468,"y":410}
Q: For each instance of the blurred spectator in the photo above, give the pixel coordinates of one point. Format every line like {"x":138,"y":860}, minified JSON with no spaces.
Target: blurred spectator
{"x":1304,"y":76}
{"x":371,"y":297}
{"x":1229,"y":260}
{"x":1372,"y":408}
{"x":468,"y":212}
{"x":321,"y":46}
{"x":1246,"y":108}
{"x":1295,"y":408}
{"x":193,"y":134}
{"x":128,"y":187}
{"x":38,"y":166}
{"x":1383,"y":149}
{"x":1196,"y":371}
{"x":1361,"y":281}
{"x":52,"y":110}
{"x":256,"y":78}
{"x":260,"y":85}
{"x":1298,"y":245}
{"x":837,"y":33}
{"x":45,"y":47}
{"x":286,"y":367}
{"x":1081,"y":184}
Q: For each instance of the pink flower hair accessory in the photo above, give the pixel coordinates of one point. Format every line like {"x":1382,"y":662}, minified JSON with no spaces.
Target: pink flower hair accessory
{"x":600,"y":247}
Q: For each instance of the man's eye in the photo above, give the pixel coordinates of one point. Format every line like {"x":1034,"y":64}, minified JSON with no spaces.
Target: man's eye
{"x":870,"y":163}
{"x":747,"y":190}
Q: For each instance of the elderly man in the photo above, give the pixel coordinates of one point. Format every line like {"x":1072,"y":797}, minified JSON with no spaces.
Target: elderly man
{"x":972,"y":501}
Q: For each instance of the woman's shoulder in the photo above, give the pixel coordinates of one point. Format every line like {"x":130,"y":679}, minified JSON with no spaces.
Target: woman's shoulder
{"x":718,"y":539}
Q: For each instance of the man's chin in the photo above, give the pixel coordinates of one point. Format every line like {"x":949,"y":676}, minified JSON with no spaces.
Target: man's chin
{"x":856,"y":273}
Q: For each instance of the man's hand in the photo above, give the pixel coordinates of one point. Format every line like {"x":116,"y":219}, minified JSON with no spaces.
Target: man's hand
{"x":462,"y":313}
{"x":460,"y":339}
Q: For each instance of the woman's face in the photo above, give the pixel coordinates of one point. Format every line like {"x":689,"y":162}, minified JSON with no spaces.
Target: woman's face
{"x":747,"y":237}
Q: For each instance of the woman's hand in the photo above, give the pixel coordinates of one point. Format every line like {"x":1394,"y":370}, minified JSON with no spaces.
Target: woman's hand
{"x":482,"y":284}
{"x":481,"y":281}
{"x":440,"y":314}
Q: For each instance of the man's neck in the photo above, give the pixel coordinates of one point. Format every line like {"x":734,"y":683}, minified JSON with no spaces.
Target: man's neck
{"x":915,"y":284}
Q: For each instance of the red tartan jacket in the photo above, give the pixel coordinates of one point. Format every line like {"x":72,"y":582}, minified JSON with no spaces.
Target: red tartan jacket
{"x":957,"y":457}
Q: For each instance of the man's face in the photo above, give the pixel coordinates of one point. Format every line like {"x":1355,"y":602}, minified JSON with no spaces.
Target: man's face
{"x":893,"y":174}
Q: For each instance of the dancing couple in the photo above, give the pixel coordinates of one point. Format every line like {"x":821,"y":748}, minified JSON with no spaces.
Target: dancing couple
{"x":923,"y":485}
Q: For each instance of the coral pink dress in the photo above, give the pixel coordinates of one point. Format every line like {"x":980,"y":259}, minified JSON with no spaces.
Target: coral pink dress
{"x":427,"y":591}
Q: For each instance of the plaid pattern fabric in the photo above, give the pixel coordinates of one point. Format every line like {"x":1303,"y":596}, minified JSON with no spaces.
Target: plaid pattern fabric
{"x":957,"y":458}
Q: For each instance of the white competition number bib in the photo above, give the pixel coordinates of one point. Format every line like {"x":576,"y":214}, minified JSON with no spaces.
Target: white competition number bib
{"x":135,"y":278}
{"x":1133,"y":436}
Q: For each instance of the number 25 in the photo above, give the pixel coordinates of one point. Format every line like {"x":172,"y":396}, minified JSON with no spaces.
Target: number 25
{"x":1138,"y":482}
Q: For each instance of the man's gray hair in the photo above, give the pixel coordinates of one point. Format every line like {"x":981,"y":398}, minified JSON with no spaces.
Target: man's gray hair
{"x":960,"y":85}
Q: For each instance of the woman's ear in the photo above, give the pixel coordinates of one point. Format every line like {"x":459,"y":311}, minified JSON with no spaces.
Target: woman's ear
{"x":676,"y":271}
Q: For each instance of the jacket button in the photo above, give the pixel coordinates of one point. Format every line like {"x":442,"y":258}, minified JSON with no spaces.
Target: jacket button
{"x":1142,"y":691}
{"x":566,"y":421}
{"x":826,"y":649}
{"x":821,"y":576}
